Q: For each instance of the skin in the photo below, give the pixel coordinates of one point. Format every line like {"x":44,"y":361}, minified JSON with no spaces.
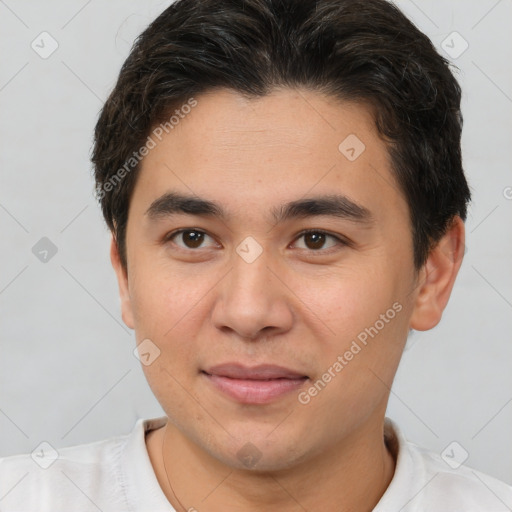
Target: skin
{"x":296,"y":305}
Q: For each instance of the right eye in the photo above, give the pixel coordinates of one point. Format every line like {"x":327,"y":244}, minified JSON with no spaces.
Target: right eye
{"x":190,"y":238}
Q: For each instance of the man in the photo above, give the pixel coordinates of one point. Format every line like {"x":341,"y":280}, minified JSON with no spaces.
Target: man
{"x":284,"y":187}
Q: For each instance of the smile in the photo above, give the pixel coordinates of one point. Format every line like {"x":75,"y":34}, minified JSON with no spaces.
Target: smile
{"x":258,"y":385}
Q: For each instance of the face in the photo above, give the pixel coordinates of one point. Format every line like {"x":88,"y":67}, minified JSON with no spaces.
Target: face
{"x":273,"y":343}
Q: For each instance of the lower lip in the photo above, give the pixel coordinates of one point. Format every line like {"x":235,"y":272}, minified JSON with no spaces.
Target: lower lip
{"x":255,"y":391}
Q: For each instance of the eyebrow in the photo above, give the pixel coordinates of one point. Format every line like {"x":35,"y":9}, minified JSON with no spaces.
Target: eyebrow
{"x":332,"y":205}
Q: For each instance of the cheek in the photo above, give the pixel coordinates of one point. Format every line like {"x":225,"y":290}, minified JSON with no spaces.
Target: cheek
{"x":345,"y":301}
{"x":365,"y":319}
{"x":162,"y":305}
{"x":165,"y":310}
{"x":164,"y":297}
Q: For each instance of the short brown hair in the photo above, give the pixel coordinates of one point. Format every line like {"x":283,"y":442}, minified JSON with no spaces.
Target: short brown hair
{"x":363,"y":50}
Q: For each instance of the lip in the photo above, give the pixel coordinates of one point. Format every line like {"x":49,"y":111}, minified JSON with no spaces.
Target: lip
{"x":254,"y":385}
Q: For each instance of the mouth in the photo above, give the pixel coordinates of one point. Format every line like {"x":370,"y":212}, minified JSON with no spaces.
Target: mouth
{"x":257,"y":385}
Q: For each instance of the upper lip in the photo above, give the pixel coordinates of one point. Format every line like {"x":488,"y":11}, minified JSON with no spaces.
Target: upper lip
{"x":260,"y":372}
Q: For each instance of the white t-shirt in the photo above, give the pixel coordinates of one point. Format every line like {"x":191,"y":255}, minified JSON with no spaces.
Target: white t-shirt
{"x":116,"y":475}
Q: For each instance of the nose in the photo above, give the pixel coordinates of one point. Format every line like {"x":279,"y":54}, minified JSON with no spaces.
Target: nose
{"x":252,"y":299}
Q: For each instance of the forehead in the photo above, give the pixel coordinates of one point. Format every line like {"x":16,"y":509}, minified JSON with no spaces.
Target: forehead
{"x":263,"y":151}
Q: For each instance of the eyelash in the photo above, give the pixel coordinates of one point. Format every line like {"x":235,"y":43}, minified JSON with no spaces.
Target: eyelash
{"x":340,"y":241}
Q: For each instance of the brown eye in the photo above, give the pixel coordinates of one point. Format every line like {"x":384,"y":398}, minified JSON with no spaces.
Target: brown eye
{"x":315,"y":240}
{"x":190,"y":238}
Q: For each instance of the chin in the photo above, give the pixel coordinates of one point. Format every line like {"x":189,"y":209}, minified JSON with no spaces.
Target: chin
{"x":258,"y":453}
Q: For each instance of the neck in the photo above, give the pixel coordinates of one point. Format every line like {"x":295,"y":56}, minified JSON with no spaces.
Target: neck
{"x":352,"y":476}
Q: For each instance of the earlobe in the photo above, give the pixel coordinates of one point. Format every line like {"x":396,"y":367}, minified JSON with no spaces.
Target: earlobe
{"x":437,"y":277}
{"x":122,"y":281}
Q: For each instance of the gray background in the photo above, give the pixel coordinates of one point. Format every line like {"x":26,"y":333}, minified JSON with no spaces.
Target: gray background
{"x":67,"y":371}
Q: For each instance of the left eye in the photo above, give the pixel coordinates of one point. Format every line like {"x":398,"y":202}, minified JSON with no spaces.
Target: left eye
{"x":315,"y":240}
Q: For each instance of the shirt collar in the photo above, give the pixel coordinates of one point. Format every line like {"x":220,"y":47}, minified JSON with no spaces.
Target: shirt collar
{"x":409,"y":472}
{"x":141,"y":487}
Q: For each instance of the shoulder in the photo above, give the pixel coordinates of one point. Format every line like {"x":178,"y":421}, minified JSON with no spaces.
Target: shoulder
{"x":425,"y":480}
{"x":453,"y":484}
{"x":49,"y":478}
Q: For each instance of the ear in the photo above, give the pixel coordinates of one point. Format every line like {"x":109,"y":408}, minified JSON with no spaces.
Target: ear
{"x":122,"y":281}
{"x":437,"y":276}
